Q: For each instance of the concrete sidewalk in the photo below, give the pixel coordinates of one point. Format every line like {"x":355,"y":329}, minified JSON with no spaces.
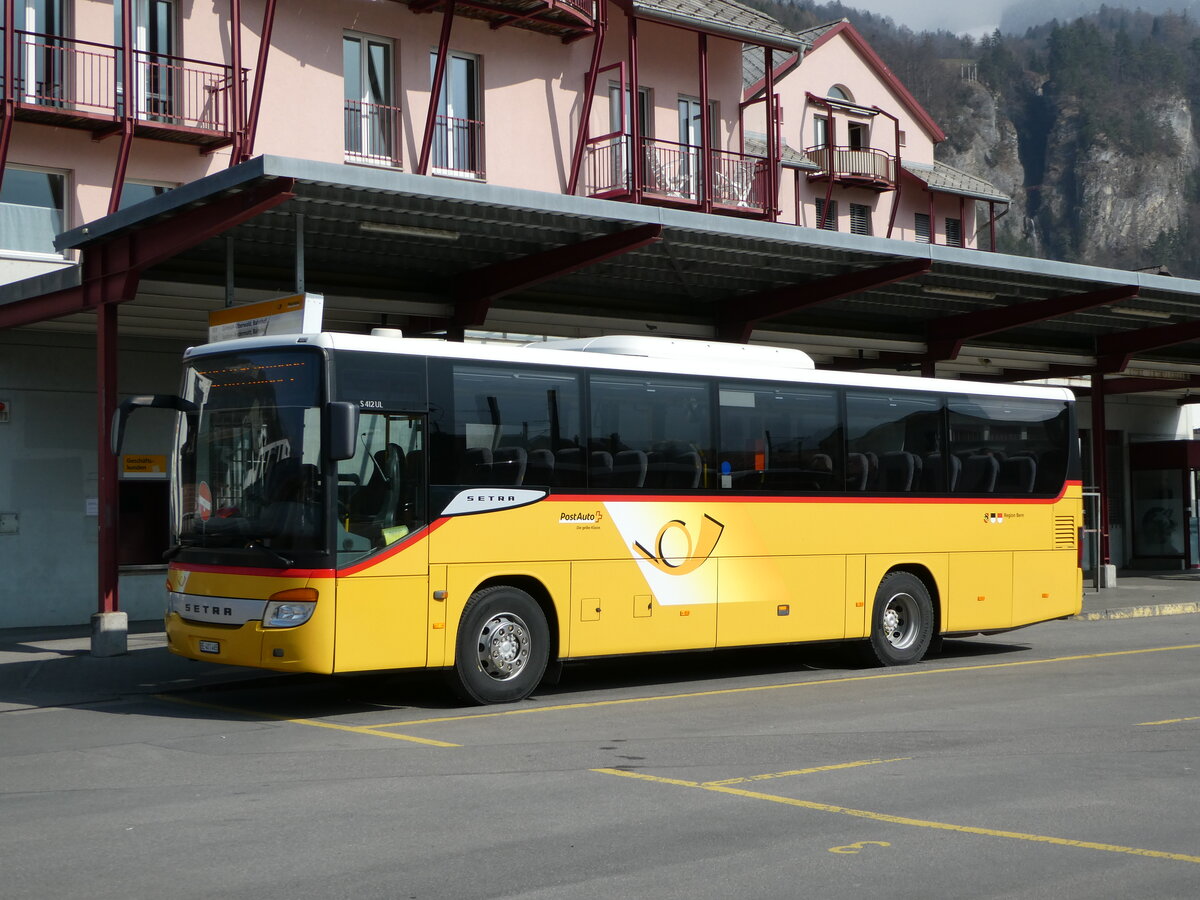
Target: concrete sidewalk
{"x":45,"y":667}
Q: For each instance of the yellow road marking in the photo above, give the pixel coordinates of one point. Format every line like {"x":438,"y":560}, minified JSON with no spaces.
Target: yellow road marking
{"x":905,"y":673}
{"x":1172,"y":721}
{"x":356,"y":729}
{"x":904,"y":820}
{"x":815,"y":769}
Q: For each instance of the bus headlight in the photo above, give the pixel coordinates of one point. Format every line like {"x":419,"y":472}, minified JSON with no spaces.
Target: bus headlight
{"x":287,"y":609}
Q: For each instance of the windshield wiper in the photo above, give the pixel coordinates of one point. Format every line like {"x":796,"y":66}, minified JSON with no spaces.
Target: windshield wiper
{"x":285,"y":561}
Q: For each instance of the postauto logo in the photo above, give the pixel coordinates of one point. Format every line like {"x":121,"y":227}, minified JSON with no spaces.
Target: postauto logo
{"x":581,"y":518}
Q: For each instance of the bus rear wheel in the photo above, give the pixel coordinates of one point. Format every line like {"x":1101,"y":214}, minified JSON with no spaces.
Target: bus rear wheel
{"x":502,"y":648}
{"x":901,"y":620}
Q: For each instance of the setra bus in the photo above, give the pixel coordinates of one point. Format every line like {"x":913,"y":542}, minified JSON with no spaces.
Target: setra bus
{"x":348,"y":503}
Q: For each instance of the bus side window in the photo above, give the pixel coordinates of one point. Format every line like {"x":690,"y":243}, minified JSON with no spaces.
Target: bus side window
{"x":783,"y":438}
{"x":650,"y":432}
{"x":1009,"y":445}
{"x":512,"y":425}
{"x":898,"y":440}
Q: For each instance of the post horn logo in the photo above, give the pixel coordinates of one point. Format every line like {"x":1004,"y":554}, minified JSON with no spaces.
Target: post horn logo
{"x":675,"y":563}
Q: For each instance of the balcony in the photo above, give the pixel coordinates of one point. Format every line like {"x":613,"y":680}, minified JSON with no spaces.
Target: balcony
{"x":854,"y":167}
{"x":372,"y":133}
{"x":672,"y":175}
{"x":457,"y":148}
{"x":565,"y":19}
{"x":77,"y":84}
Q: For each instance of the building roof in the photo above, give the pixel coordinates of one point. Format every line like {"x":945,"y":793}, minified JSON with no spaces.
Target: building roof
{"x":395,"y":249}
{"x":949,"y":180}
{"x":724,"y":17}
{"x":756,"y":145}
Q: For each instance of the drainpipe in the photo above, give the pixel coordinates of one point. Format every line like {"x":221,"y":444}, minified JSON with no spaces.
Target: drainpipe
{"x":706,"y":166}
{"x":636,"y":150}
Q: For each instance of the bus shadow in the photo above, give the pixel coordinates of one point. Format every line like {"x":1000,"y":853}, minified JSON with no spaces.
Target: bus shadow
{"x":152,"y":682}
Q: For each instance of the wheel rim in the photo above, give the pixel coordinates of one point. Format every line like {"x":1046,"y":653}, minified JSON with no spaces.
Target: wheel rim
{"x":504,"y":646}
{"x":901,"y":621}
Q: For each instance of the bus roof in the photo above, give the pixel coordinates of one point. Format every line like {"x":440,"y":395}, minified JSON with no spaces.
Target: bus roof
{"x":636,"y":353}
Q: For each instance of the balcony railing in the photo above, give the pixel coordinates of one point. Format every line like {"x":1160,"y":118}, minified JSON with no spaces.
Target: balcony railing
{"x":673,"y":173}
{"x":458,"y":147}
{"x":855,"y":165}
{"x":79,"y":83}
{"x":372,"y":133}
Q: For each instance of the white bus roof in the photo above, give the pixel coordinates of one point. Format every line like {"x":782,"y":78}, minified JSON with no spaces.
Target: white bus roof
{"x":659,"y":355}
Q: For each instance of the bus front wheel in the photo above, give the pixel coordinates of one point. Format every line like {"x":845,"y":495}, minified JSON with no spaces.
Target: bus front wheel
{"x":901,"y":620}
{"x":502,"y":648}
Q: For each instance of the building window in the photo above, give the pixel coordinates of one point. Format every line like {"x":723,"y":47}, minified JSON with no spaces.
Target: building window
{"x":40,"y":57}
{"x":133,"y":192}
{"x":821,"y":132}
{"x":954,"y":236}
{"x":860,"y":218}
{"x":157,"y":71}
{"x":458,"y":132}
{"x":682,"y":166}
{"x":372,"y":122}
{"x":31,"y":210}
{"x":858,"y":135}
{"x":921,"y":227}
{"x":840,"y":92}
{"x":903,"y":141}
{"x":830,"y":221}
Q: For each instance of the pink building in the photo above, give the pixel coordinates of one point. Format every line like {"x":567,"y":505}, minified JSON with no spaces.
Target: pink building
{"x":529,"y":95}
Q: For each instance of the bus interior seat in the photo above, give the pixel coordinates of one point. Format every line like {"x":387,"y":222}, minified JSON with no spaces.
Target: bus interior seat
{"x":857,"y":472}
{"x":476,"y":466}
{"x":683,"y":470}
{"x":1018,"y":474}
{"x":933,"y":473}
{"x":568,"y":467}
{"x":600,"y":468}
{"x":629,"y":468}
{"x":379,"y":499}
{"x":539,"y":467}
{"x":898,"y":471}
{"x":979,"y":472}
{"x":509,"y":464}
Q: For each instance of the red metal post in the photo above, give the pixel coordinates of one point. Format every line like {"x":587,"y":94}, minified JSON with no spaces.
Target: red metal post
{"x":8,"y":105}
{"x":992,"y":222}
{"x":772,"y":134}
{"x":589,"y":94}
{"x":237,"y":125}
{"x":106,"y":477}
{"x":118,"y":185}
{"x":1100,"y":465}
{"x":932,"y":221}
{"x":962,"y":221}
{"x":128,"y":107}
{"x":706,"y":149}
{"x":435,"y":89}
{"x":636,"y":150}
{"x":260,"y":73}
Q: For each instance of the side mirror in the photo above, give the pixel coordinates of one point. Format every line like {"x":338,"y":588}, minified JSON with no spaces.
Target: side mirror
{"x":146,"y":401}
{"x":342,"y":422}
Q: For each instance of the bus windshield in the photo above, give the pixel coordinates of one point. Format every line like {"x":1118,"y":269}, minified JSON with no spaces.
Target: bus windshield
{"x":249,"y":461}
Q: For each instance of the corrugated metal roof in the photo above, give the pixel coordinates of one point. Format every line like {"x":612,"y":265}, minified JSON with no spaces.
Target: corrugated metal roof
{"x":705,"y":266}
{"x":725,"y":17}
{"x":949,"y":180}
{"x":756,"y":145}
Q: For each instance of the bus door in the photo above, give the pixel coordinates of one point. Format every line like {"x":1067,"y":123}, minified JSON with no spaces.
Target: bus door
{"x":383,"y":593}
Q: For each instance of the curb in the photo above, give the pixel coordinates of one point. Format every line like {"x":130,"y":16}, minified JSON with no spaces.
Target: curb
{"x":1141,"y":612}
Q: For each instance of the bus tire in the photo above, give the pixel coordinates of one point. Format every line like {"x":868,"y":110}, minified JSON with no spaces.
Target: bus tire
{"x":901,"y":621}
{"x":502,"y":647}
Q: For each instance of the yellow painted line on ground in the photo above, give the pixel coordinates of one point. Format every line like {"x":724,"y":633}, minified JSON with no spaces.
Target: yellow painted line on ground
{"x":373,"y":730}
{"x":812,"y":771}
{"x":904,"y":820}
{"x":1172,"y":721}
{"x":891,"y":673}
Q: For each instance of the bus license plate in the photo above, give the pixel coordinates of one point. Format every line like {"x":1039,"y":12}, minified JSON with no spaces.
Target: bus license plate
{"x":210,"y":647}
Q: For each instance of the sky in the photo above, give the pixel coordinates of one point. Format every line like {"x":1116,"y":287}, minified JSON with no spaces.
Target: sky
{"x":974,"y":17}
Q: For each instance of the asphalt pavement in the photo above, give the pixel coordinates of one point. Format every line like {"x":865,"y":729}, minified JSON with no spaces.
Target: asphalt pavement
{"x":48,"y":667}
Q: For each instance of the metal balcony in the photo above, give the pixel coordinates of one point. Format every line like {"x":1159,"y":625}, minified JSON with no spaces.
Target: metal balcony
{"x":565,"y":19}
{"x":78,"y":84}
{"x":672,"y":174}
{"x":854,"y":166}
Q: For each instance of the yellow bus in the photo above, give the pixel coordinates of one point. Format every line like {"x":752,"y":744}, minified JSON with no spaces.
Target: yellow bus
{"x":349,"y":503}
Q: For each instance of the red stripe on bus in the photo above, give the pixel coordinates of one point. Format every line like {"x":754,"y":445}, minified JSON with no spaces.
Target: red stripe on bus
{"x":392,"y":551}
